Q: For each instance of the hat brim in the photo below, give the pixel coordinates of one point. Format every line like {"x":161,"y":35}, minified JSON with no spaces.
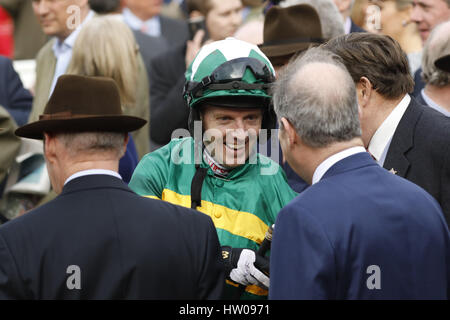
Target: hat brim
{"x":285,"y":49}
{"x":443,"y":63}
{"x":122,"y":123}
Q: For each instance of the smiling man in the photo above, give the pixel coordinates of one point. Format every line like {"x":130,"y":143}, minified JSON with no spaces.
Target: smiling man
{"x":221,"y":174}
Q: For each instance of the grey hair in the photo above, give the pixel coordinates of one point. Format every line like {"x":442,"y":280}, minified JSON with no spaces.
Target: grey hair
{"x":329,"y":15}
{"x":93,"y":142}
{"x":436,"y":46}
{"x":323,"y":110}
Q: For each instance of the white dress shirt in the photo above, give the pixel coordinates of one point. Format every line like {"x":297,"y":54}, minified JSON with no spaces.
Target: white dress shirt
{"x":63,"y":51}
{"x":92,"y":172}
{"x":434,"y":105}
{"x":151,"y":27}
{"x":331,"y":161}
{"x":381,"y":140}
{"x":347,"y":25}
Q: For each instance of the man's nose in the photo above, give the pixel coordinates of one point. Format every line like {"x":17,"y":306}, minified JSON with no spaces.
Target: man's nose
{"x":416,"y":14}
{"x":237,"y":18}
{"x":40,"y":7}
{"x":238,"y":133}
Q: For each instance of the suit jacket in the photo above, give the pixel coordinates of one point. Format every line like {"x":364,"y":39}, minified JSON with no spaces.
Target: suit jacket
{"x":45,"y":70}
{"x":419,"y":84}
{"x":169,"y":111}
{"x":420,"y":152}
{"x":13,"y":96}
{"x":360,"y":233}
{"x":175,"y":31}
{"x":99,"y":240}
{"x":355,"y":28}
{"x":150,"y":47}
{"x":420,"y":99}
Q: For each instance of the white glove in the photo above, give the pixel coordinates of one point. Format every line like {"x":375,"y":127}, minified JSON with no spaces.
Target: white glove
{"x":246,"y":273}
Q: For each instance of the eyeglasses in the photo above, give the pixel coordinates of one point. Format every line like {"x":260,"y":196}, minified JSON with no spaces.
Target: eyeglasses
{"x":229,"y":75}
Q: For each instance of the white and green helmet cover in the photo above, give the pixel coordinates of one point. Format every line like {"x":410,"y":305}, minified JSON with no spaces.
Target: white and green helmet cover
{"x":215,"y":54}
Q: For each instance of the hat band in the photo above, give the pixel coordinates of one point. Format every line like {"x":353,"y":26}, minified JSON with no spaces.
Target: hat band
{"x":64,"y":115}
{"x":292,"y":40}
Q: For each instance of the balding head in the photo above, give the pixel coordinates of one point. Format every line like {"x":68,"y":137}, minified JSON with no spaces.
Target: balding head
{"x":318,"y":96}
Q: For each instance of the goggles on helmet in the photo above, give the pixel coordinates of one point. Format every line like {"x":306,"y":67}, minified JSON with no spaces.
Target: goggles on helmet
{"x":229,"y":75}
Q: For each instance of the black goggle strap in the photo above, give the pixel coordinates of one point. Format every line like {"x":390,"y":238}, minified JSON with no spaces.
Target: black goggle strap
{"x":235,"y":70}
{"x":228,"y":76}
{"x":197,"y":91}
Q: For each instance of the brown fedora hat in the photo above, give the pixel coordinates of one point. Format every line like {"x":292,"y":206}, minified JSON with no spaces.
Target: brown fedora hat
{"x":443,"y":63}
{"x":82,"y":104}
{"x":290,"y":30}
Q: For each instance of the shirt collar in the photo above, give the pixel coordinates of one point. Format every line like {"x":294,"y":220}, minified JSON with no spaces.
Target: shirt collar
{"x":433,"y":104}
{"x":214,"y":165}
{"x":152,"y":25}
{"x":347,"y":25}
{"x":68,"y":43}
{"x":330,"y":161}
{"x":385,"y":132}
{"x":92,"y":172}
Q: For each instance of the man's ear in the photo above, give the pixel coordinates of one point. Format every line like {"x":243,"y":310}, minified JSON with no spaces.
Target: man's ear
{"x":364,"y":90}
{"x":289,"y":131}
{"x":49,"y":147}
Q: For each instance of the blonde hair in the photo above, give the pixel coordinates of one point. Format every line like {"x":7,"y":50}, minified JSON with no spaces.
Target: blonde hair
{"x":106,"y":47}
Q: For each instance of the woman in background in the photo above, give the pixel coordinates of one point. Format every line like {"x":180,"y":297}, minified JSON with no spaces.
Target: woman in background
{"x":395,"y":22}
{"x":106,"y":47}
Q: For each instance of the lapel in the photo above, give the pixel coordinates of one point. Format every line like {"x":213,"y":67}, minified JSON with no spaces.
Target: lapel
{"x":165,"y":27}
{"x":403,"y":140}
{"x":353,"y":162}
{"x":94,"y":182}
{"x":45,"y":69}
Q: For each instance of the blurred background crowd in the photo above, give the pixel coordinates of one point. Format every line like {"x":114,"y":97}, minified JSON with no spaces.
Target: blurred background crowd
{"x":146,"y":46}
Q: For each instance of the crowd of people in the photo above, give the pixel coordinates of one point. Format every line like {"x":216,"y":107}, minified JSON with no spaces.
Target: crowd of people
{"x":239,"y":149}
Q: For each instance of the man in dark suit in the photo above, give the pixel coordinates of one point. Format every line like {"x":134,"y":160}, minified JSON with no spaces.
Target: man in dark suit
{"x":404,"y":137}
{"x":359,"y":231}
{"x":98,"y":239}
{"x":168,"y":110}
{"x":145,"y":16}
{"x":13,"y":96}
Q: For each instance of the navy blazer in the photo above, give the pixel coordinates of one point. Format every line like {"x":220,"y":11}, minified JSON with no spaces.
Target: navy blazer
{"x":118,"y":244}
{"x":168,"y":109}
{"x":355,"y":28}
{"x":360,"y":233}
{"x":420,"y":152}
{"x":419,"y":84}
{"x":13,"y":96}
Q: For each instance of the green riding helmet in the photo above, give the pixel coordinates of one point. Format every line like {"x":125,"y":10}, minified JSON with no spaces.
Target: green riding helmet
{"x":230,"y":73}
